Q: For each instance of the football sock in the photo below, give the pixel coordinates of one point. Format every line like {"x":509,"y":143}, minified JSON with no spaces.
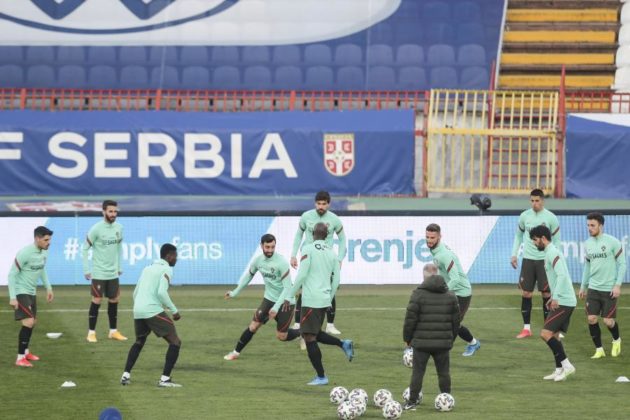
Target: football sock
{"x":24,"y":338}
{"x":93,"y":316}
{"x":615,"y":331}
{"x":330,"y":312}
{"x":526,"y":309}
{"x":292,"y":334}
{"x":112,"y":311}
{"x":171,"y":357}
{"x":596,"y":334}
{"x":242,"y":342}
{"x":324,"y":338}
{"x":544,"y":303}
{"x":465,"y":334}
{"x":134,"y":352}
{"x":298,"y":309}
{"x":315,"y":355}
{"x":558,"y":350}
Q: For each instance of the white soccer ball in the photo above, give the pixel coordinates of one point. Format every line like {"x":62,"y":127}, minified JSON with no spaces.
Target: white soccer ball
{"x":358,"y":393}
{"x":406,"y":394}
{"x":392,"y":410}
{"x":338,"y":394}
{"x":444,"y":402}
{"x":359,"y":404}
{"x":347,"y":411}
{"x":381,"y":397}
{"x":408,"y":357}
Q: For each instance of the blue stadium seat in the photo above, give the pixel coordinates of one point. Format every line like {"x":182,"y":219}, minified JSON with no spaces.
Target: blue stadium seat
{"x":224,"y":55}
{"x":348,"y":55}
{"x":380,"y":54}
{"x":410,"y":9}
{"x":40,"y":55}
{"x":194,"y":56}
{"x":40,"y":76}
{"x":436,"y":11}
{"x":471,"y":55}
{"x":163,"y":55}
{"x":474,"y":78}
{"x":71,"y":55}
{"x":317,"y":54}
{"x":286,"y":55}
{"x":11,"y":55}
{"x":164,"y":77}
{"x":132,"y":55}
{"x":441,"y":55}
{"x":381,"y":78}
{"x":409,"y":33}
{"x":102,"y":77}
{"x":287,"y":78}
{"x":412,"y":78}
{"x":319,"y":78}
{"x":102,"y":55}
{"x":381,"y":33}
{"x":350,"y":78}
{"x":257,"y":78}
{"x":255,"y":55}
{"x":226,"y":77}
{"x":467,"y":11}
{"x":443,"y":78}
{"x":11,"y":76}
{"x":71,"y":76}
{"x":195,"y":77}
{"x":134,"y":77}
{"x":470,"y":33}
{"x":439,"y":33}
{"x":409,"y":55}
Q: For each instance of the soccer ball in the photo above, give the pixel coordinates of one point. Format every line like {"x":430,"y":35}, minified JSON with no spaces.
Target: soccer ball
{"x":360,"y":394}
{"x":408,"y":357}
{"x":381,"y":397}
{"x":406,"y":394}
{"x":392,"y":410}
{"x":338,"y":394}
{"x":444,"y":402}
{"x":359,"y":404}
{"x":347,"y":411}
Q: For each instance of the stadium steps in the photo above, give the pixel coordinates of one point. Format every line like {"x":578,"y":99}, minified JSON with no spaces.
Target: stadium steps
{"x":542,"y":35}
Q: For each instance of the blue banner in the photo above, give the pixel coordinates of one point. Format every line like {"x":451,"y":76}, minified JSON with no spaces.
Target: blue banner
{"x":597,"y":147}
{"x":264,"y":153}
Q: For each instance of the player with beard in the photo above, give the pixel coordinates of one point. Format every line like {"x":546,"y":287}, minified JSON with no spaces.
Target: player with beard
{"x":105,"y":238}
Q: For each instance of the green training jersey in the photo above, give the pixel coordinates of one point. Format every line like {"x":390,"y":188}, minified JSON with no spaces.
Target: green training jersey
{"x":276,"y":274}
{"x":308,"y":220}
{"x":449,"y":267}
{"x":528,"y":220}
{"x":605,"y":263}
{"x":318,"y":276}
{"x":150,"y":296}
{"x":558,"y":277}
{"x":105,"y":239}
{"x":27,"y":268}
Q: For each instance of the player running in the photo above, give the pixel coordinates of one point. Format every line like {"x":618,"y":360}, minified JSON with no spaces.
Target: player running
{"x":274,"y":269}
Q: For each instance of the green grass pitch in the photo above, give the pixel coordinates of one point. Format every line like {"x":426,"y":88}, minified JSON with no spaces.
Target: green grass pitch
{"x":503,"y":380}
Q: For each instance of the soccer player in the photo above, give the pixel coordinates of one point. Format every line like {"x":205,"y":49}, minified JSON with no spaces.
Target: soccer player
{"x":456,"y":280}
{"x":105,"y":238}
{"x":274,"y":269}
{"x":308,"y":220}
{"x":560,"y":305}
{"x":27,"y":268}
{"x":604,"y":270}
{"x":533,"y":265}
{"x":318,"y":277}
{"x":150,"y":298}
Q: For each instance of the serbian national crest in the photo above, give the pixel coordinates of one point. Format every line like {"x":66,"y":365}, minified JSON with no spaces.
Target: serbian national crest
{"x":339,"y":153}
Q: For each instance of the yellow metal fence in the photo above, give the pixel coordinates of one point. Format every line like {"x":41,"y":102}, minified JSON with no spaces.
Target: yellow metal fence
{"x":491,"y":141}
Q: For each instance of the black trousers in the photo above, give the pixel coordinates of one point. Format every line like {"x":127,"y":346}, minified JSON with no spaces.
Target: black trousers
{"x":441,"y":358}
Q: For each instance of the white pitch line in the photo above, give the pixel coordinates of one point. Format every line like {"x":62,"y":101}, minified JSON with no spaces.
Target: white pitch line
{"x":253,"y":308}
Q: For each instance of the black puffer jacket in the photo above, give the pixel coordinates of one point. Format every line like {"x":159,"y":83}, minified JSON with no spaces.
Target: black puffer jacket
{"x":432,"y":319}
